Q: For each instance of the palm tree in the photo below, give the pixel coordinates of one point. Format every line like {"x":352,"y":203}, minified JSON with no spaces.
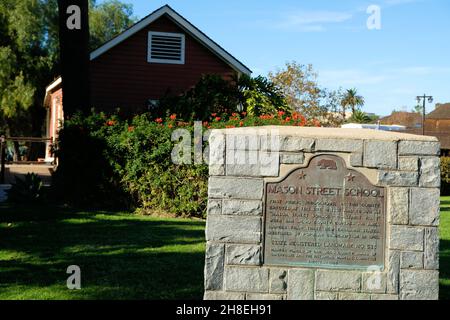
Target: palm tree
{"x":353,"y":100}
{"x":360,"y":117}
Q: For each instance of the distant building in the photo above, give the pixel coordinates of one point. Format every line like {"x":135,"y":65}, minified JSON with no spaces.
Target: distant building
{"x":338,"y":115}
{"x":437,"y":124}
{"x":412,"y":121}
{"x":373,"y":126}
{"x":333,"y":118}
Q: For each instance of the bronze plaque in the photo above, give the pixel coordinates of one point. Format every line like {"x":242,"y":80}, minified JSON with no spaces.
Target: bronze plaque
{"x":324,"y":215}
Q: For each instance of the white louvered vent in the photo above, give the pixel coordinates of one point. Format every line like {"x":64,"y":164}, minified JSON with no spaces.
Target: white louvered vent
{"x":166,"y":47}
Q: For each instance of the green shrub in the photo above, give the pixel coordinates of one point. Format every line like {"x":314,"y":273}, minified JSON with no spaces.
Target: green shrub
{"x":261,"y":96}
{"x":26,"y":190}
{"x":359,"y":117}
{"x":445,"y":176}
{"x":147,"y":174}
{"x":213,"y":94}
{"x":127,"y":163}
{"x":84,"y":175}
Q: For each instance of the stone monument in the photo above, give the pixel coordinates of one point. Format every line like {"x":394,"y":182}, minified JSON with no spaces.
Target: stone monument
{"x":322,"y":213}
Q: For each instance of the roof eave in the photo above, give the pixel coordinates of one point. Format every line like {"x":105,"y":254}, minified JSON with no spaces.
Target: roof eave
{"x":50,"y":87}
{"x":184,"y":24}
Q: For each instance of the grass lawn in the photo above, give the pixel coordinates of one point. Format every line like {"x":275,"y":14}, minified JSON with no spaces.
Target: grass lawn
{"x":445,"y":249}
{"x":121,"y":256}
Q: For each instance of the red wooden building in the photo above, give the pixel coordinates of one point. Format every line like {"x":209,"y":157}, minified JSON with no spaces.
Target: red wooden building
{"x":55,"y":114}
{"x":162,"y":53}
{"x":437,"y":124}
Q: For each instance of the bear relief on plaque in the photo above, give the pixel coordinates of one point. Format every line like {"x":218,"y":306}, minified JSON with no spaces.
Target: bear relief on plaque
{"x":324,"y":215}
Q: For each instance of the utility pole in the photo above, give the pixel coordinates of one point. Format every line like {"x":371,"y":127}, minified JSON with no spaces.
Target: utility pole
{"x":424,"y":98}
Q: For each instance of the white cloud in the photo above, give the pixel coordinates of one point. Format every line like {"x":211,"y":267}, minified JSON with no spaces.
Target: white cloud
{"x":421,"y":70}
{"x":358,"y":77}
{"x":312,"y":21}
{"x":313,"y":17}
{"x":411,"y":91}
{"x":349,"y":78}
{"x":399,"y":2}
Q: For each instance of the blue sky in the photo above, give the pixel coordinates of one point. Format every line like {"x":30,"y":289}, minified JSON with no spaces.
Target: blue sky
{"x":408,"y":56}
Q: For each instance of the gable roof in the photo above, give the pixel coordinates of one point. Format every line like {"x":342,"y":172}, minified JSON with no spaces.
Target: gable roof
{"x":408,"y":119}
{"x":442,"y":111}
{"x":186,"y":26}
{"x":55,"y":85}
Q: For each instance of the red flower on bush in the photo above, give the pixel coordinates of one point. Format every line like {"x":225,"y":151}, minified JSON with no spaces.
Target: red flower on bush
{"x":218,"y":119}
{"x":266,"y":116}
{"x":288,"y":119}
{"x":170,"y":126}
{"x":281,"y":113}
{"x":241,"y":123}
{"x":110,"y":123}
{"x":302,"y":121}
{"x":130,"y":129}
{"x":159,"y":120}
{"x":213,"y":114}
{"x":244,"y":113}
{"x":173,"y":117}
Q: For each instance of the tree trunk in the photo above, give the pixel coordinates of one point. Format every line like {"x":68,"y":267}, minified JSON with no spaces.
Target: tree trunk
{"x":16,"y":156}
{"x":74,"y":51}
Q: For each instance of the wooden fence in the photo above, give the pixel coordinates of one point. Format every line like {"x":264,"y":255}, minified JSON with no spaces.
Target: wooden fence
{"x":35,"y":152}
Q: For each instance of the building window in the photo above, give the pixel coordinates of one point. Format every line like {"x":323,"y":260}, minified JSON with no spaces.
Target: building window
{"x":164,"y":47}
{"x":152,"y":104}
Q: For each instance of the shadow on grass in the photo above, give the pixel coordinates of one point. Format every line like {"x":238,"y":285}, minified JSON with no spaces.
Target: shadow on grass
{"x":121,"y":256}
{"x":39,"y":212}
{"x":444,"y":269}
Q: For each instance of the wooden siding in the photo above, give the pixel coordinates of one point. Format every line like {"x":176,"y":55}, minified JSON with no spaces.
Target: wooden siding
{"x":55,"y":113}
{"x":439,"y":129}
{"x":123,"y":78}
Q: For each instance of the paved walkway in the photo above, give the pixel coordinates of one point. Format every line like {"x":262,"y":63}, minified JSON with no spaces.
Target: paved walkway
{"x":44,"y":171}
